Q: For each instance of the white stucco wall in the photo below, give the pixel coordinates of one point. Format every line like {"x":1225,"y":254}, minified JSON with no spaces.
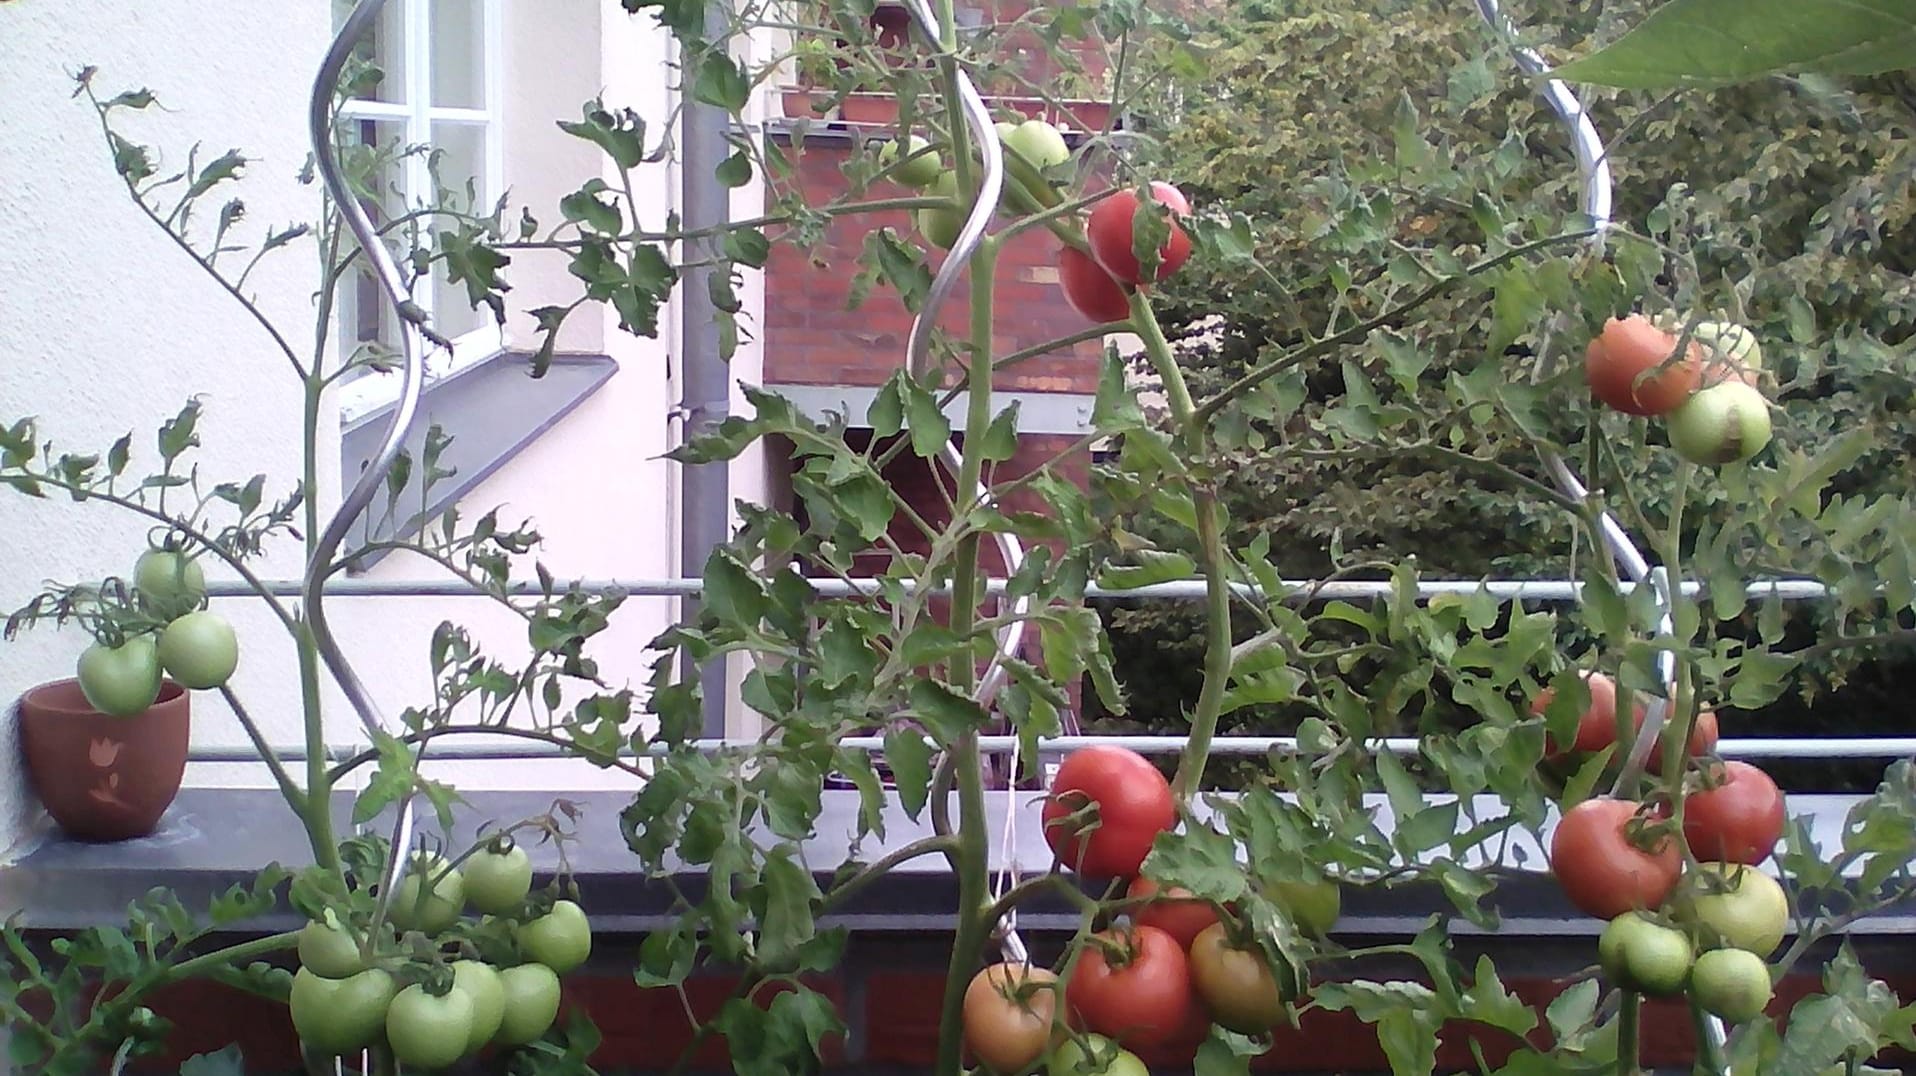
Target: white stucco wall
{"x":106,"y":327}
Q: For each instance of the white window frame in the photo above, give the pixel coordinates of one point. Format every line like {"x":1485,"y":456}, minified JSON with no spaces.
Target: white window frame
{"x":372,"y":391}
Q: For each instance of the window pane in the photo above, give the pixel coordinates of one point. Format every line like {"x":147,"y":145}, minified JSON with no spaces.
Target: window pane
{"x":383,"y":47}
{"x":366,"y":323}
{"x":458,"y":53}
{"x":459,"y":150}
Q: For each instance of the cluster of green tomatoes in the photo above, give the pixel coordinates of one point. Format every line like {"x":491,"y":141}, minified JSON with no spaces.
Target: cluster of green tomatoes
{"x":429,"y":983}
{"x":188,"y":642}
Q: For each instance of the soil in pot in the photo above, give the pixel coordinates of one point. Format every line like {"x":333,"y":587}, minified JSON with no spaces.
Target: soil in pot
{"x":104,"y":778}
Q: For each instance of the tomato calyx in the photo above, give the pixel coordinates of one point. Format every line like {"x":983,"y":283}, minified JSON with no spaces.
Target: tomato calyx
{"x":1651,"y":827}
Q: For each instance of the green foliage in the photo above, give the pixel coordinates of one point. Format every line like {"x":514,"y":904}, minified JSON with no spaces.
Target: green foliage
{"x":1689,"y":43}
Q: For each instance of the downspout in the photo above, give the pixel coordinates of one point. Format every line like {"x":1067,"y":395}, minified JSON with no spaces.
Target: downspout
{"x":705,"y":388}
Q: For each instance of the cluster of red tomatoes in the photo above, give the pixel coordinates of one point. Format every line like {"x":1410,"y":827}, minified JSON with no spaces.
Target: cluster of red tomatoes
{"x":1623,"y":861}
{"x":1172,"y":969}
{"x":1708,"y":395}
{"x":1097,"y":281}
{"x":196,"y":647}
{"x":351,"y":993}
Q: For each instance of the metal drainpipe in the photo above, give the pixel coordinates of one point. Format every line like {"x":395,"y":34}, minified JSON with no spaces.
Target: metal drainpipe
{"x":705,"y":388}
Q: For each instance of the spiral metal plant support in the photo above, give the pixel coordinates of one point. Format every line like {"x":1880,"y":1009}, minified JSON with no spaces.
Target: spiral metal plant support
{"x":1593,"y":167}
{"x":412,"y":348}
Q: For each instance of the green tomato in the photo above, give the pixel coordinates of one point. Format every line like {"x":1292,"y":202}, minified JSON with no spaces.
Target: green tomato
{"x":121,"y":681}
{"x":169,"y":584}
{"x":328,"y":951}
{"x":1102,"y":1058}
{"x":438,"y":909}
{"x":921,"y":167}
{"x":532,"y":1003}
{"x":1732,"y":983}
{"x":199,"y":650}
{"x":1610,"y":945}
{"x":497,"y":882}
{"x":561,"y":939}
{"x":337,"y":1016}
{"x":1721,"y":424}
{"x":1750,"y":913}
{"x":941,"y":226}
{"x":427,"y":1031}
{"x":1314,"y":906}
{"x":1656,"y":959}
{"x":1038,"y":142}
{"x":482,"y":985}
{"x":1732,"y":342}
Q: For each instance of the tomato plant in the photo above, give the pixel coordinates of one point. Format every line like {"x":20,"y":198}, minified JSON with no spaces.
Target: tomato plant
{"x":1732,"y":983}
{"x":1721,"y":424}
{"x":1010,"y":1016}
{"x":1738,"y":906}
{"x":1095,"y":1055}
{"x":1089,"y":289}
{"x":498,"y":878}
{"x":561,"y":939}
{"x":329,"y":951}
{"x":1172,"y":910}
{"x":1633,"y":366}
{"x":336,"y":1016}
{"x":429,"y":1030}
{"x":1606,"y":865}
{"x":1235,"y":982}
{"x":199,"y":650}
{"x":122,"y":680}
{"x":483,"y":987}
{"x":1736,"y":817}
{"x":431,"y":896}
{"x":170,"y":583}
{"x":1132,"y":984}
{"x":1110,"y":231}
{"x":1107,"y":804}
{"x":531,"y":1003}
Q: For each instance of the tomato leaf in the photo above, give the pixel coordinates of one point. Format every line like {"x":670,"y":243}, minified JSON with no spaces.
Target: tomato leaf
{"x":909,"y":757}
{"x":929,"y":427}
{"x":1487,"y":1002}
{"x":1692,"y":43}
{"x":1202,"y":860}
{"x":943,"y":710}
{"x":1153,"y":566}
{"x":786,"y":920}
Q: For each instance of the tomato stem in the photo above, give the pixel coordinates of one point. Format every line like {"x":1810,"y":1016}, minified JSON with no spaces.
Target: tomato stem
{"x":1628,"y":1034}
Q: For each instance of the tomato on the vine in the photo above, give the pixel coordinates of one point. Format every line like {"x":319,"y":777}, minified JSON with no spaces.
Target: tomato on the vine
{"x":1089,"y":289}
{"x":917,"y":164}
{"x":440,"y":906}
{"x":1601,"y":867}
{"x":1009,"y":1016}
{"x":1721,"y":424}
{"x":1739,"y":906}
{"x":1597,"y":725}
{"x":121,"y":681}
{"x":1644,"y":956}
{"x":481,"y":984}
{"x":1174,"y":911}
{"x":1236,"y":983}
{"x":1631,"y":367}
{"x":427,"y":1030}
{"x":169,"y":584}
{"x":199,"y":650}
{"x":1703,"y":736}
{"x":336,"y":1016}
{"x":1737,"y":820}
{"x":1312,"y":904}
{"x":1107,"y":804}
{"x":329,"y":951}
{"x":1133,"y":984}
{"x":1109,"y":232}
{"x":1731,"y":983}
{"x":561,"y":939}
{"x":1039,"y":143}
{"x":1094,"y":1056}
{"x":498,"y":878}
{"x":532,"y":1003}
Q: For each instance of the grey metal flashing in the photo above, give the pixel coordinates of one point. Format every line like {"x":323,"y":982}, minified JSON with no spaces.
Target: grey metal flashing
{"x":1038,"y":412}
{"x":215,"y":838}
{"x":492,"y":411}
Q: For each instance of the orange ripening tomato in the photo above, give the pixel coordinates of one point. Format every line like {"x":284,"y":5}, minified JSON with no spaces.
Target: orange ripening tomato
{"x":1632,"y":367}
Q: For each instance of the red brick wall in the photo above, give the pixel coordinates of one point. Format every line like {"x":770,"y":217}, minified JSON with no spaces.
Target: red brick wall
{"x":811,"y":338}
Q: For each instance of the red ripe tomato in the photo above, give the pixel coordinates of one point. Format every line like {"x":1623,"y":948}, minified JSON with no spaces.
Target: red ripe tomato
{"x":1703,"y":737}
{"x":1629,"y":367}
{"x":1133,"y":805}
{"x":1739,"y":820}
{"x":1602,"y":870}
{"x":1597,"y":726}
{"x":1139,"y":995}
{"x":1176,"y":912}
{"x":1089,"y":289}
{"x":1109,"y":233}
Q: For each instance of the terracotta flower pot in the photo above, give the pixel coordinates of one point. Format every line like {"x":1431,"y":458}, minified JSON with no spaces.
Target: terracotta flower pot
{"x":104,"y":778}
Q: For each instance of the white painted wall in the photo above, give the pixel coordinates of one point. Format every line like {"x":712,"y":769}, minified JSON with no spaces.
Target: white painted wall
{"x":106,"y":327}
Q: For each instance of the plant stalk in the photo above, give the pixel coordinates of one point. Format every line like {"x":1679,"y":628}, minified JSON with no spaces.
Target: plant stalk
{"x":318,"y":811}
{"x":1210,"y":532}
{"x":1629,"y":1033}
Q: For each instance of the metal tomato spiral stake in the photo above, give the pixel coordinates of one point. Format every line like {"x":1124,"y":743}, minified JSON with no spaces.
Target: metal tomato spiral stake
{"x":412,"y":346}
{"x":1594,"y":169}
{"x":977,"y":118}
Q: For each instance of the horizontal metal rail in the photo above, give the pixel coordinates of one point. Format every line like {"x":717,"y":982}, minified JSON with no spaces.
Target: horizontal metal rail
{"x":1550,"y":590}
{"x":1753,"y":747}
